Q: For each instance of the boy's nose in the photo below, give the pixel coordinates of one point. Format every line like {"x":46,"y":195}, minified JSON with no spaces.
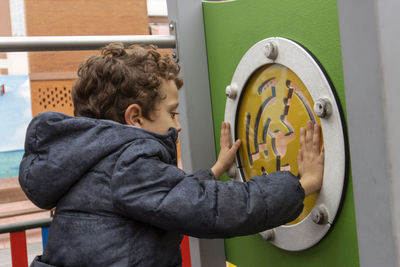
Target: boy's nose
{"x":179,"y":127}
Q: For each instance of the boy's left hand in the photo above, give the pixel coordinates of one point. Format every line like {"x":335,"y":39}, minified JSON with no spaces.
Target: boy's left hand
{"x":227,"y":152}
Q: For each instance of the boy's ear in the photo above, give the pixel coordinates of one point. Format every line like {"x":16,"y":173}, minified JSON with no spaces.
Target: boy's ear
{"x":133,"y":115}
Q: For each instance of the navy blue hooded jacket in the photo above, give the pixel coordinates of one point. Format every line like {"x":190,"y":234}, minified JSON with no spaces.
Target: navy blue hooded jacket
{"x":121,"y":201}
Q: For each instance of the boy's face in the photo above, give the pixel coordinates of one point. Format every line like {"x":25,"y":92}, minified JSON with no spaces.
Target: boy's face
{"x":165,"y":114}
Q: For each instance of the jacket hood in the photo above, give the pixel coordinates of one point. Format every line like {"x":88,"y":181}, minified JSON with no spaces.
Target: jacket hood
{"x":60,"y":149}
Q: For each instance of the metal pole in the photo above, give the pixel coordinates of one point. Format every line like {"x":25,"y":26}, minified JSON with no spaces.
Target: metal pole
{"x":67,"y":43}
{"x":369,"y":33}
{"x":197,"y":135}
{"x":16,"y":227}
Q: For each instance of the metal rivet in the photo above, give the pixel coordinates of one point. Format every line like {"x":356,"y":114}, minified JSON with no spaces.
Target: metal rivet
{"x":171,"y":26}
{"x":268,"y":235}
{"x":231,"y":91}
{"x":323,"y":108}
{"x":319,"y":215}
{"x":271,"y":50}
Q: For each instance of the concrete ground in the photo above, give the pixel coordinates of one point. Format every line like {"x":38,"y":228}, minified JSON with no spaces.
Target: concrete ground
{"x":33,"y":250}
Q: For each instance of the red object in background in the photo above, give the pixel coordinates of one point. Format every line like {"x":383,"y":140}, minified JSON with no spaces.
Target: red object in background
{"x":185,"y":250}
{"x":2,"y":89}
{"x":19,"y":253}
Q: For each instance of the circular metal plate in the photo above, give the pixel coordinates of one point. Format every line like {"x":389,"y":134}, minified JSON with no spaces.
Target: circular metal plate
{"x":271,"y":96}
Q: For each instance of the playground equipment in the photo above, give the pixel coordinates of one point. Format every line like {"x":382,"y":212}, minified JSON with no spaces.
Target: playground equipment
{"x":352,"y":46}
{"x":274,"y":105}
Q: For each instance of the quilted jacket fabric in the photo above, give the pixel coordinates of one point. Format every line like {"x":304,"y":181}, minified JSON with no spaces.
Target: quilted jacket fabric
{"x":121,"y":201}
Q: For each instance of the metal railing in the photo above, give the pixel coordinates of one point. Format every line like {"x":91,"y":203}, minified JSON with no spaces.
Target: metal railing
{"x":18,"y":244}
{"x":70,"y":43}
{"x":22,"y":226}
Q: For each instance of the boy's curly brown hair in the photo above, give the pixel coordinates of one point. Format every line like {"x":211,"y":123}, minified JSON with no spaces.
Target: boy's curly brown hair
{"x":108,"y":83}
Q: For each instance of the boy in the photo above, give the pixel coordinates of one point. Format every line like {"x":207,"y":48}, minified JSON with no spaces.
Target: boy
{"x":111,"y":171}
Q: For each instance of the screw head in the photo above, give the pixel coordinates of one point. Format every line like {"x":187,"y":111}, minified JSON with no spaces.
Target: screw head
{"x":171,"y":26}
{"x":319,"y":215}
{"x":231,"y":91}
{"x":271,"y":50}
{"x":322,"y":108}
{"x":268,"y":235}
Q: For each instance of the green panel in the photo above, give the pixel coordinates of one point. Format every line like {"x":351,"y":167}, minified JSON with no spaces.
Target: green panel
{"x":232,"y":27}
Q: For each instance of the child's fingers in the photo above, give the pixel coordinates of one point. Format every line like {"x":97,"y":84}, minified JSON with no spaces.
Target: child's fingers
{"x":225,"y":139}
{"x":300,"y":156}
{"x":222,"y":137}
{"x":228,"y":134}
{"x":309,"y":136}
{"x":223,"y":128}
{"x":236,"y":146}
{"x":317,"y":139}
{"x":300,"y":161}
{"x":227,"y":128}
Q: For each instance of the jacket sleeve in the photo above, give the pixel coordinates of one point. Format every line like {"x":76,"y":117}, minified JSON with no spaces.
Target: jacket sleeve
{"x":149,"y":190}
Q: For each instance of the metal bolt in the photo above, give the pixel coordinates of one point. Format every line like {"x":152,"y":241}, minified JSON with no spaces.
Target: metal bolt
{"x":268,"y":235}
{"x":232,"y":171}
{"x":323,"y":108}
{"x":319,"y":215}
{"x":231,"y":91}
{"x":173,"y":54}
{"x":271,"y":50}
{"x":171,"y":27}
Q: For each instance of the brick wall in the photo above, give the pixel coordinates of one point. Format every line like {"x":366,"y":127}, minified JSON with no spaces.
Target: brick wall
{"x":76,"y":17}
{"x":80,"y":17}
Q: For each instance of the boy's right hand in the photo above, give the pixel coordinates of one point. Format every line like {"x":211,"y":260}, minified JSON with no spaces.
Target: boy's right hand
{"x":227,"y":152}
{"x":311,"y":159}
